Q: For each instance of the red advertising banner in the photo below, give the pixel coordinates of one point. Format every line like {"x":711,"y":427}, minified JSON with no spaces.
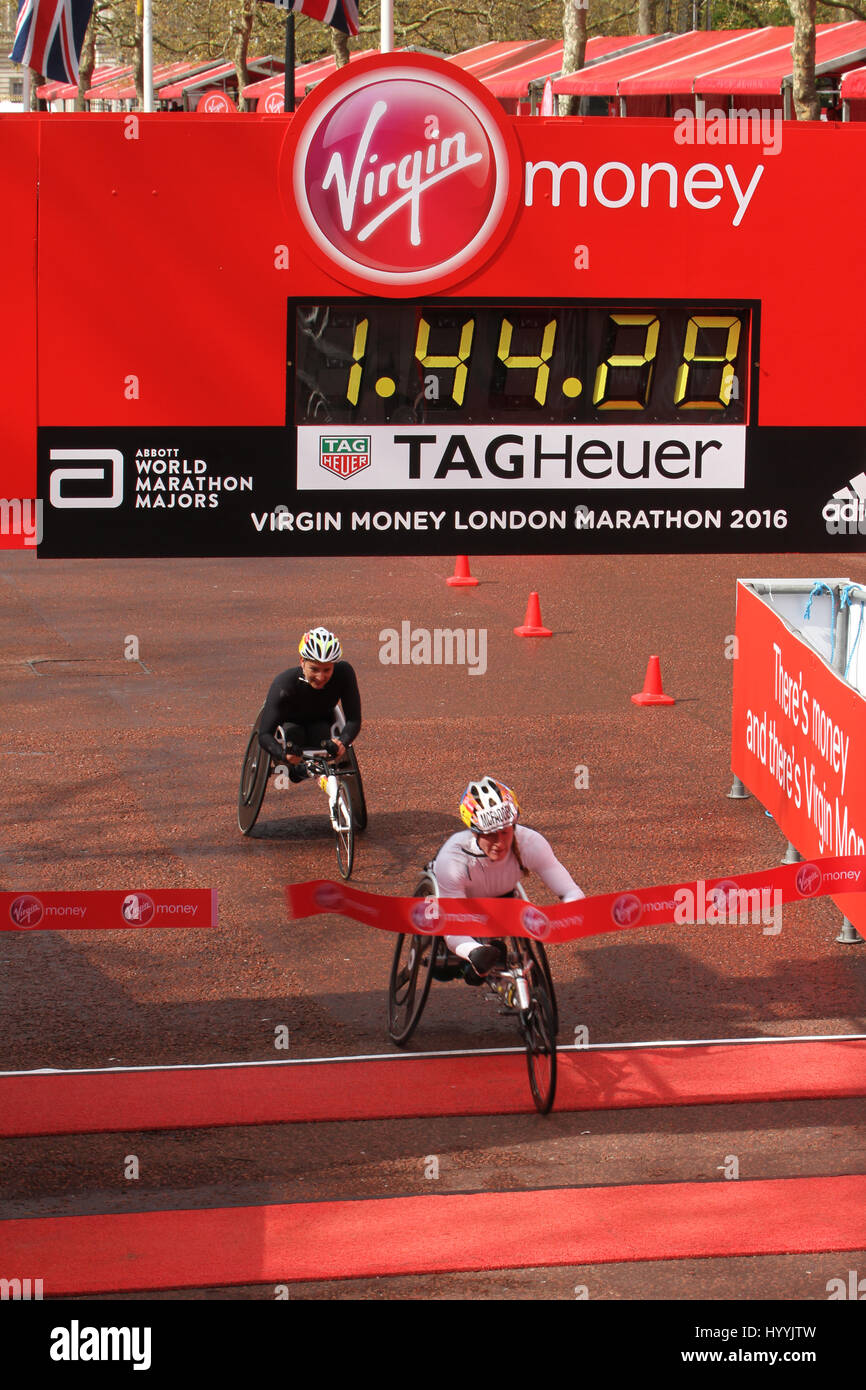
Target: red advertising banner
{"x":735,"y":900}
{"x":103,"y":909}
{"x":798,"y":740}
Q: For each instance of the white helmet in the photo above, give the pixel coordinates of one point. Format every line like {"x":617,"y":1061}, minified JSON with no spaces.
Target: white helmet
{"x":488,"y":805}
{"x":320,"y":645}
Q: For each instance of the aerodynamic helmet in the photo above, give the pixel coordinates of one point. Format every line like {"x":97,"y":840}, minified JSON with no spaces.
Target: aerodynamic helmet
{"x":320,"y":645}
{"x":488,"y":805}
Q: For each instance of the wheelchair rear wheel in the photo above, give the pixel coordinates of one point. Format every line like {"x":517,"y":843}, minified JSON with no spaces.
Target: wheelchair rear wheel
{"x":255,"y":769}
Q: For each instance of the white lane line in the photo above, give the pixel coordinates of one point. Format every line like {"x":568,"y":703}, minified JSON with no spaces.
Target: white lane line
{"x":410,"y":1056}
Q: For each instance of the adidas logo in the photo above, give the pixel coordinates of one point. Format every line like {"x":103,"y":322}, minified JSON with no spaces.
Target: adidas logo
{"x":845,"y":513}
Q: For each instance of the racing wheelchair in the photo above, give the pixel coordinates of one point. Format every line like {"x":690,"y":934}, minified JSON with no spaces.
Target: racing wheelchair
{"x":342,"y":781}
{"x":523,"y":985}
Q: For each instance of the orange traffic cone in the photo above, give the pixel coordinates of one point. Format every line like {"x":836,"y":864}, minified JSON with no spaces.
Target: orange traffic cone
{"x":652,"y":693}
{"x":532,"y":625}
{"x":462,"y":575}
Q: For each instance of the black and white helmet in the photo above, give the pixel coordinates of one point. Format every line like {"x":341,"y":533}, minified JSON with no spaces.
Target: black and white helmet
{"x":320,"y":645}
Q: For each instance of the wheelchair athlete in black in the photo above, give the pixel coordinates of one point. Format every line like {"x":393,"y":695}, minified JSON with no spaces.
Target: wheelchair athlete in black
{"x":301,"y":702}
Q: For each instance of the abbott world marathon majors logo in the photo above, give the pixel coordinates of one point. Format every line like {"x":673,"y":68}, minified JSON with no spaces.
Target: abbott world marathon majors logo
{"x":404,"y":174}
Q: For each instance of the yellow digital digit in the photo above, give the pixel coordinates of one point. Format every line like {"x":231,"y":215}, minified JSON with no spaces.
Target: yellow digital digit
{"x":628,"y":359}
{"x":542,"y":374}
{"x":733,"y":327}
{"x":359,"y":347}
{"x":461,"y":371}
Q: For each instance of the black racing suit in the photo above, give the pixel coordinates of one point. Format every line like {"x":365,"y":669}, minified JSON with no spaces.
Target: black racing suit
{"x":307,"y":714}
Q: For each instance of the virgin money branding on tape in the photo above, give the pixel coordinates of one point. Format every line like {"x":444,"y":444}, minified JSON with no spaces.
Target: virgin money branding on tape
{"x":383,"y":459}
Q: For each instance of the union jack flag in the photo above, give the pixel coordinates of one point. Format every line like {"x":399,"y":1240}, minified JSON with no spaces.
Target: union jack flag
{"x":49,"y":36}
{"x":340,"y":14}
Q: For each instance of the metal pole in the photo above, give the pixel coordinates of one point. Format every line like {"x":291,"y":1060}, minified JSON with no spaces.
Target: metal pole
{"x":147,"y":53}
{"x":289,"y":75}
{"x":25,"y":93}
{"x":386,"y":26}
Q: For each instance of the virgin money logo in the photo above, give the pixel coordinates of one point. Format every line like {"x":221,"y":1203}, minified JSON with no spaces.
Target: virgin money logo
{"x":214,"y":102}
{"x":626,"y":910}
{"x":25,"y":912}
{"x":137,"y":909}
{"x":425,"y":915}
{"x":808,"y":880}
{"x":535,"y":923}
{"x":328,"y":896}
{"x":724,"y":895}
{"x":403,"y":173}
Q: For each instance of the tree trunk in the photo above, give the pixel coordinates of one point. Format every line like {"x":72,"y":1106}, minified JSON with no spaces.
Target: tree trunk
{"x":340,"y":43}
{"x":574,"y":24}
{"x":138,"y":56}
{"x":646,"y":17}
{"x":242,"y":28}
{"x":807,"y":105}
{"x":86,"y":63}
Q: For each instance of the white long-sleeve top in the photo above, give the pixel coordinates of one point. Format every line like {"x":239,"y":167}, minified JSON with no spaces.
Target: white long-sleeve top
{"x":463,"y":871}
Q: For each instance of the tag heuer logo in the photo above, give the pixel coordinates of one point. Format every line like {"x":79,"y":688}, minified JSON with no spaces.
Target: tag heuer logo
{"x":344,"y":455}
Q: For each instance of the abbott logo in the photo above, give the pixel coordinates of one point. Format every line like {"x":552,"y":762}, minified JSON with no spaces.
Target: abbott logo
{"x":59,"y":476}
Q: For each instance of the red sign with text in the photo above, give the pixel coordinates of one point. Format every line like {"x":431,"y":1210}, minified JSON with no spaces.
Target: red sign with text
{"x":97,"y":910}
{"x":799,"y":740}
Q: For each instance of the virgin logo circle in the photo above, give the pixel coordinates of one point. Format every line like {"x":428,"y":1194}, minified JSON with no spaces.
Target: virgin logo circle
{"x":626,"y":910}
{"x":215,"y":101}
{"x":808,"y":879}
{"x":137,"y":909}
{"x":535,"y":922}
{"x":403,"y":173}
{"x":328,"y":896}
{"x":425,"y":914}
{"x":25,"y":912}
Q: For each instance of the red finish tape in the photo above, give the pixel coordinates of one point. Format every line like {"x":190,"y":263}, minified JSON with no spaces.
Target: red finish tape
{"x":733,"y":899}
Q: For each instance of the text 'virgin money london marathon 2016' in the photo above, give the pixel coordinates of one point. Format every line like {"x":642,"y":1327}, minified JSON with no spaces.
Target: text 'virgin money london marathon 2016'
{"x":401,"y":178}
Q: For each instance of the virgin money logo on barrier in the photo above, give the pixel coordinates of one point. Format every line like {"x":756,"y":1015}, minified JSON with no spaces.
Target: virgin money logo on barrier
{"x":808,"y":880}
{"x":626,"y":910}
{"x":137,"y":909}
{"x":425,"y":915}
{"x":535,"y":923}
{"x":723,"y":895}
{"x":25,"y":912}
{"x":329,"y":896}
{"x":404,"y":173}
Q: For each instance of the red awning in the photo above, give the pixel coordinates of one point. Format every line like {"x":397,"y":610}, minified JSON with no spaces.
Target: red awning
{"x":486,"y":56}
{"x":163,"y":75}
{"x":719,"y":52}
{"x":603,"y":79}
{"x":837,"y":47}
{"x":514,"y":80}
{"x":175,"y":91}
{"x":853,"y":85}
{"x":66,"y":91}
{"x":269,"y":92}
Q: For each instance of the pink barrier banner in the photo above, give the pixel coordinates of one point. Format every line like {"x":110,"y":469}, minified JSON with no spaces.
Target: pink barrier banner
{"x":734,"y":900}
{"x":102,"y":909}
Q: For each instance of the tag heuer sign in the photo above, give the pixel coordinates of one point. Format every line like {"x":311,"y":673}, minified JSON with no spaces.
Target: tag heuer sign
{"x":344,"y":455}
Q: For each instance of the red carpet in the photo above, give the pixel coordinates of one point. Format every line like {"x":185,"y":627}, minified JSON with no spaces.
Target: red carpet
{"x":408,"y":1235}
{"x":196,"y":1097}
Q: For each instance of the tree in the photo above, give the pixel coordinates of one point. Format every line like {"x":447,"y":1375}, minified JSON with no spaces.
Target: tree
{"x":574,"y":26}
{"x":807,"y":104}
